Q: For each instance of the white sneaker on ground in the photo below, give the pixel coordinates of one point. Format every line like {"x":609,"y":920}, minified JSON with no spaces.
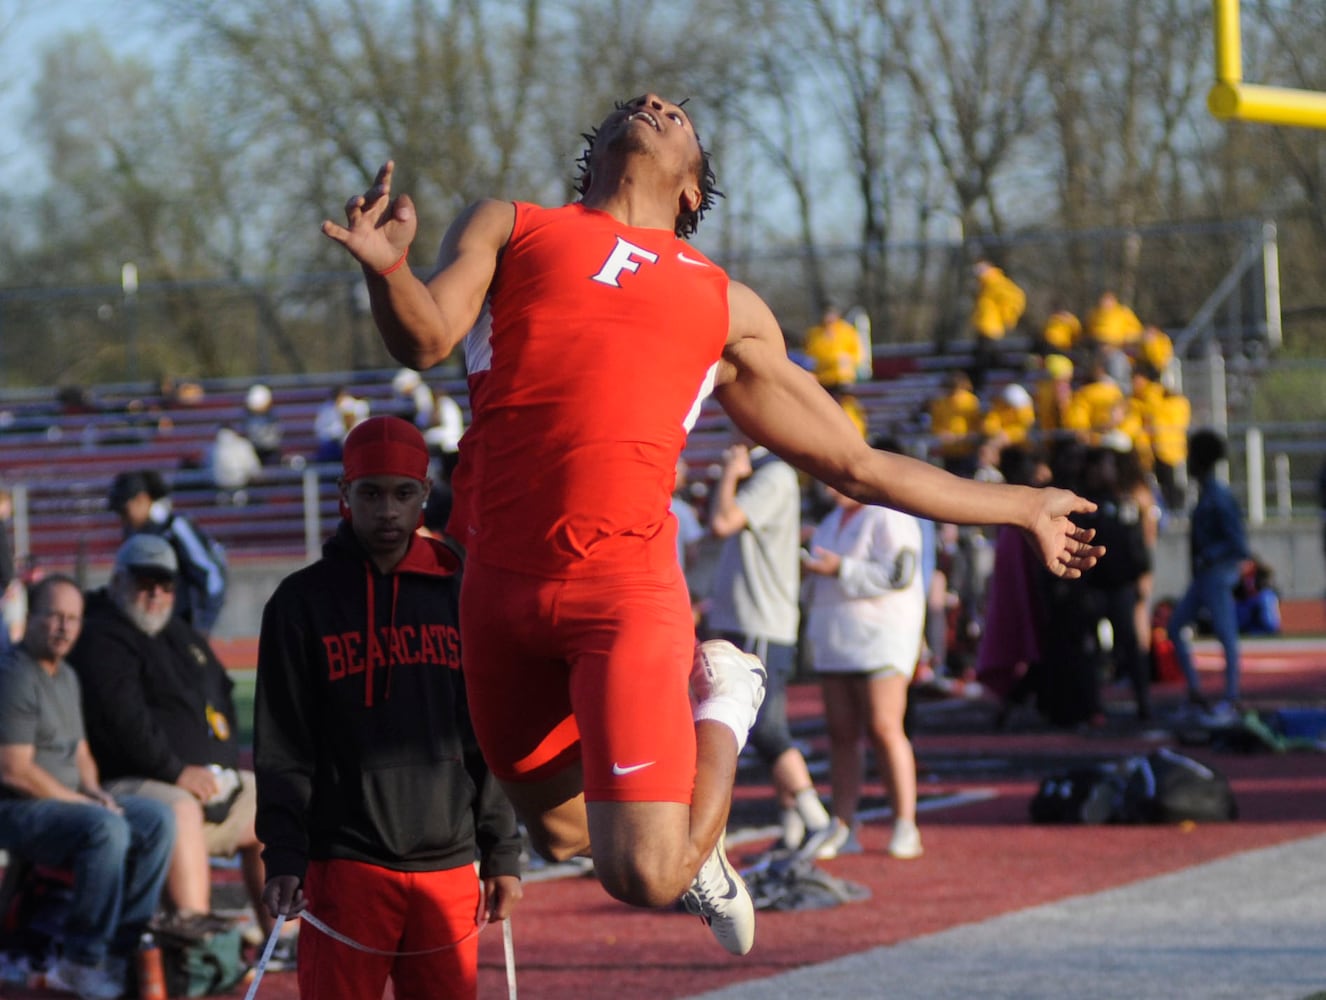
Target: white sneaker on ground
{"x":816,"y":841}
{"x":840,"y":838}
{"x":721,"y":670}
{"x":906,"y":840}
{"x":718,"y":896}
{"x":90,"y":982}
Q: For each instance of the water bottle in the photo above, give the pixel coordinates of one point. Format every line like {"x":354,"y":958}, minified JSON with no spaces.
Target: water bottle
{"x":151,"y":972}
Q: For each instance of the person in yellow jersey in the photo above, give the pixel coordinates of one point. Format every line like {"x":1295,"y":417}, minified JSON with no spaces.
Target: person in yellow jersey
{"x":1012,"y":415}
{"x":1171,"y":415}
{"x":1061,"y":333}
{"x":955,"y":419}
{"x":1155,"y":350}
{"x":1097,"y":397}
{"x":834,"y":345}
{"x":1111,"y":323}
{"x":1054,"y":394}
{"x":998,"y":307}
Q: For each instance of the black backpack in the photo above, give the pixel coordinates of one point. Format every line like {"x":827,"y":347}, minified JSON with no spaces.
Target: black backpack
{"x":1090,"y":795}
{"x":1167,"y":787}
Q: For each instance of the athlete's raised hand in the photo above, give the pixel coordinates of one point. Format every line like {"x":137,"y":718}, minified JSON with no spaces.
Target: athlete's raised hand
{"x":378,"y":230}
{"x":1064,"y":547}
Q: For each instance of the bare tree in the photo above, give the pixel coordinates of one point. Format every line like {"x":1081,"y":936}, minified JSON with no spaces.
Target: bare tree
{"x":974,"y":69}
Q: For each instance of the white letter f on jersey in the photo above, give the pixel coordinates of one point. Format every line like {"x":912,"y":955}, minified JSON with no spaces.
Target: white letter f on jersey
{"x":624,"y":257}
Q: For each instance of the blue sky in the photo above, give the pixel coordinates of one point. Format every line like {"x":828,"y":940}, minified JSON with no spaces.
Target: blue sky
{"x":27,"y":28}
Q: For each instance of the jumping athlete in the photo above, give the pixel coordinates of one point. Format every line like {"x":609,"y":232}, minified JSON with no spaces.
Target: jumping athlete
{"x":591,"y":333}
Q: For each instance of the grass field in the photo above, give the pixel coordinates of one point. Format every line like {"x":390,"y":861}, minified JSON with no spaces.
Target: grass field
{"x":243,"y":695}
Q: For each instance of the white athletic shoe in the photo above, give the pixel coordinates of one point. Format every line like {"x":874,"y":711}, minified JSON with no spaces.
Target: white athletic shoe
{"x":90,"y":982}
{"x":837,"y":839}
{"x":721,"y":670}
{"x":718,"y":896}
{"x":906,"y":842}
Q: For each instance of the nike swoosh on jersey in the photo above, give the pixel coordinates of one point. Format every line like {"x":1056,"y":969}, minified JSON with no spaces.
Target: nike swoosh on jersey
{"x":681,"y":256}
{"x":618,"y":770}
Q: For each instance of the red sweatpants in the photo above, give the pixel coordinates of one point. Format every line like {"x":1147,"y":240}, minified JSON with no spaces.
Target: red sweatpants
{"x":393,"y":912}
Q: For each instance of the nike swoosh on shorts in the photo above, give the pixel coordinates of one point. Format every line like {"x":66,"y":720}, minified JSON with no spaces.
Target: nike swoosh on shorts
{"x":618,"y":770}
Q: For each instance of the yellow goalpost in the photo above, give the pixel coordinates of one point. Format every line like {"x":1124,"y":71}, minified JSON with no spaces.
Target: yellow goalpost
{"x":1231,"y":98}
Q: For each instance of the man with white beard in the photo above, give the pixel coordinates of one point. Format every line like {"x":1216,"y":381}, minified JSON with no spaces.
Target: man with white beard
{"x":162,"y":724}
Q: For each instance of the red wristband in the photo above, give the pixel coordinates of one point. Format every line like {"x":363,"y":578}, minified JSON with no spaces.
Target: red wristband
{"x":396,"y":266}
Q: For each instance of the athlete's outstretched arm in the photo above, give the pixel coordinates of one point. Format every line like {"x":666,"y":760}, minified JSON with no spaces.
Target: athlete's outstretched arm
{"x":783,"y":407}
{"x":421,"y":322}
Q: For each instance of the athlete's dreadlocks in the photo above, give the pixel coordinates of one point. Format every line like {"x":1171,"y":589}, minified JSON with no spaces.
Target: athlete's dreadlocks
{"x":687,"y":222}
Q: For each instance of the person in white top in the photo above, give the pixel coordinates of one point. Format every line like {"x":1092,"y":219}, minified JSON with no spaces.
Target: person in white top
{"x":865,"y":616}
{"x":233,"y":461}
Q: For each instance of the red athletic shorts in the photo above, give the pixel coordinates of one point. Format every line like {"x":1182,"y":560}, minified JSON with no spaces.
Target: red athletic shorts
{"x":595,"y":669}
{"x":391,"y":912}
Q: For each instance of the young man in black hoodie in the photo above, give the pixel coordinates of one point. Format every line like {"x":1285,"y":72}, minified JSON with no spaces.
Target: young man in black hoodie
{"x":373,"y":799}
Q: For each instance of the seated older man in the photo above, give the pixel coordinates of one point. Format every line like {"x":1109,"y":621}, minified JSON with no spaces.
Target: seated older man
{"x":161,"y":720}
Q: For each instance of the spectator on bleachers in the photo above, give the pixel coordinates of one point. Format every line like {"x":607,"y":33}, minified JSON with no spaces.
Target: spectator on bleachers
{"x":1011,"y":416}
{"x":141,"y":500}
{"x":444,"y":430}
{"x":161,"y":723}
{"x":334,"y":420}
{"x":412,"y":399}
{"x":834,"y":348}
{"x":233,"y":463}
{"x":1155,"y":351}
{"x":1097,"y":397}
{"x":955,"y":419}
{"x":1142,"y":398}
{"x":1061,"y":333}
{"x":1054,"y":395}
{"x":76,"y":400}
{"x":54,"y":811}
{"x":987,"y":459}
{"x":855,"y":411}
{"x":261,"y":425}
{"x":1111,"y":323}
{"x":1171,"y":416}
{"x":1123,"y":430}
{"x":998,"y":307}
{"x":1113,"y":333}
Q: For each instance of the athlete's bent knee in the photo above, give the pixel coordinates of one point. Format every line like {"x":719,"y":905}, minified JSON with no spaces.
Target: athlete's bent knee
{"x":646,"y":885}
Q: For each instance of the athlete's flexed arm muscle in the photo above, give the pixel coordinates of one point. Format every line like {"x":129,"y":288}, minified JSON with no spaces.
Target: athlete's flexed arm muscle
{"x":783,"y":407}
{"x":421,"y":322}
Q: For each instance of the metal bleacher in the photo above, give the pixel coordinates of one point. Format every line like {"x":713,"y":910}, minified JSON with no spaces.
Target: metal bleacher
{"x":61,"y":463}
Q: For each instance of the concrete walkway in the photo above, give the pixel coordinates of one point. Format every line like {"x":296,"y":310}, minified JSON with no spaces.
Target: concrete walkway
{"x":1251,"y":925}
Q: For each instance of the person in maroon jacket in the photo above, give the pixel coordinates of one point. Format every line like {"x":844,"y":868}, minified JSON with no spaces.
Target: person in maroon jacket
{"x":373,"y":799}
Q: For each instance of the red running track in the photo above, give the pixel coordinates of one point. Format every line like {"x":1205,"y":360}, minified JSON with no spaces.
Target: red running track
{"x":982,"y":859}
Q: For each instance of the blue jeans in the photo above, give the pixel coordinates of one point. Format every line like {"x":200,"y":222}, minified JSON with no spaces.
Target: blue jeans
{"x":1213,"y":589}
{"x":119,"y":864}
